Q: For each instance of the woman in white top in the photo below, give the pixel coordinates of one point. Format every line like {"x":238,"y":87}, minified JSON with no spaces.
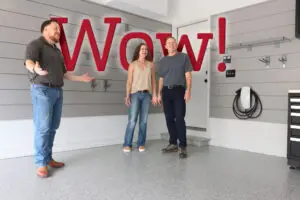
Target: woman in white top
{"x":140,"y":88}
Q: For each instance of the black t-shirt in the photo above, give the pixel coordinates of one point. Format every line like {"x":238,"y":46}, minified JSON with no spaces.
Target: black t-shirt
{"x":50,"y":58}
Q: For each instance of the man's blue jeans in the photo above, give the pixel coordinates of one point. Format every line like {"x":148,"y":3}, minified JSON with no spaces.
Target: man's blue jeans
{"x":139,"y":107}
{"x":47,"y":108}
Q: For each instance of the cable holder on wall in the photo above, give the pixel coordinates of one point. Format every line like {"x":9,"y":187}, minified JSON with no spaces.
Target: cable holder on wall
{"x":254,"y":109}
{"x":283,"y":60}
{"x":266,"y":60}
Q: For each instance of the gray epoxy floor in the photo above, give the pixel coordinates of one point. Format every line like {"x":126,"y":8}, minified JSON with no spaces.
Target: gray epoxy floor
{"x":106,"y":173}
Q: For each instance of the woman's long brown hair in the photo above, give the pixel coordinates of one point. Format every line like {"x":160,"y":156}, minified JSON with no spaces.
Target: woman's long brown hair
{"x":136,"y":53}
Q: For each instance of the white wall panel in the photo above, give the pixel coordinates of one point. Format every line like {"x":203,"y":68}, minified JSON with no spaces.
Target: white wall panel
{"x":258,"y":24}
{"x":20,"y":22}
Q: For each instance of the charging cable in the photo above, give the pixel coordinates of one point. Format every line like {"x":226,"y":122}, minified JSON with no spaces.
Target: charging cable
{"x":255,"y":106}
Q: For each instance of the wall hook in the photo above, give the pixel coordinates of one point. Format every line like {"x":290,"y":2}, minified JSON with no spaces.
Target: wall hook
{"x":283,"y":60}
{"x":106,"y":85}
{"x":265,"y":60}
{"x":93,"y":84}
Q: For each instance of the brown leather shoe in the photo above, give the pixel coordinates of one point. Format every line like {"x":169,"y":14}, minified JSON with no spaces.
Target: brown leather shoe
{"x":55,"y":164}
{"x":42,"y":172}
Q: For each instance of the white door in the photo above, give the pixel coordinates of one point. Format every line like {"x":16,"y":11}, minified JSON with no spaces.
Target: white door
{"x":198,"y":107}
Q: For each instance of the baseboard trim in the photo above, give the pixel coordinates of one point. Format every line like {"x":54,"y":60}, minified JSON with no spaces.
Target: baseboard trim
{"x":196,"y":128}
{"x":60,"y":148}
{"x":198,"y":141}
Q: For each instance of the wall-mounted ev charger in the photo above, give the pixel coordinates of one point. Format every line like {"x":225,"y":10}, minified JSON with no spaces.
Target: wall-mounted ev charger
{"x":247,"y":104}
{"x":245,"y":97}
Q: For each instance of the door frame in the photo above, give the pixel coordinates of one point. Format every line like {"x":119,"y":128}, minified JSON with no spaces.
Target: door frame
{"x":208,"y":53}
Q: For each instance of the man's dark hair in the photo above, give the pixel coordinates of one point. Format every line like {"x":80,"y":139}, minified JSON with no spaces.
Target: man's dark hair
{"x":46,"y":23}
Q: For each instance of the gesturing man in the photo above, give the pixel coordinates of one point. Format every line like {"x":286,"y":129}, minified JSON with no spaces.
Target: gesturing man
{"x":175,"y":91}
{"x":46,"y":68}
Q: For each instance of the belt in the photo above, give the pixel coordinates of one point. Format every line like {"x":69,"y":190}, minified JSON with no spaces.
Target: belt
{"x":50,"y":85}
{"x":173,"y":86}
{"x":143,"y":91}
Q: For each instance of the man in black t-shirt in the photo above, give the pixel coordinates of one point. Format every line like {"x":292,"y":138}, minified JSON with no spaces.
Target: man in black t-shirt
{"x":46,"y":68}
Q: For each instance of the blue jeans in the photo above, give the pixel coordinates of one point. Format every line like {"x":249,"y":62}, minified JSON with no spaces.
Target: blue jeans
{"x":139,"y":106}
{"x":47,"y":108}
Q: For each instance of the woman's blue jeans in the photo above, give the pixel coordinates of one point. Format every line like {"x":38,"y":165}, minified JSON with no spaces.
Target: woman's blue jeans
{"x":139,"y":108}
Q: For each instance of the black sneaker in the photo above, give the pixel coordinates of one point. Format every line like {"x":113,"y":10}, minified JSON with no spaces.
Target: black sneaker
{"x":182,"y":152}
{"x":170,"y":148}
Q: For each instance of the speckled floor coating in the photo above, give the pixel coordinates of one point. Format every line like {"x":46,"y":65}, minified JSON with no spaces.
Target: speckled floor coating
{"x":106,"y":173}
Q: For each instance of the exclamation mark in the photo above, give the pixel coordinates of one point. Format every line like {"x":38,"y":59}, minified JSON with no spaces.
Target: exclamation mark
{"x":222,"y":36}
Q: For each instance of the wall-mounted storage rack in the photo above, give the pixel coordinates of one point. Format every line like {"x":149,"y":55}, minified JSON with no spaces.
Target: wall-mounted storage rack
{"x":249,"y":45}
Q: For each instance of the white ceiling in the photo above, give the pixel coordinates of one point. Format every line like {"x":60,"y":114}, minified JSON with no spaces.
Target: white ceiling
{"x":176,"y":12}
{"x":155,"y":9}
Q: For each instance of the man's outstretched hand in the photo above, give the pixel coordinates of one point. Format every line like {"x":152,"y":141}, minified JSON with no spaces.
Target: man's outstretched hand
{"x":86,"y":78}
{"x":83,"y":78}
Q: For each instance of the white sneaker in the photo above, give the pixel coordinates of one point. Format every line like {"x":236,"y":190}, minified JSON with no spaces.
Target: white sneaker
{"x":127,"y":149}
{"x":141,"y":148}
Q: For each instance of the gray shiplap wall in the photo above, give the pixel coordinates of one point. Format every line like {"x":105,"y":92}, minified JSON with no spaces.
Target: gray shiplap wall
{"x":20,"y":22}
{"x":261,"y":22}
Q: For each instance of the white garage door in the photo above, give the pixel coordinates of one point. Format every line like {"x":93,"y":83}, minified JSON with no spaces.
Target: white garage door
{"x":197,"y":108}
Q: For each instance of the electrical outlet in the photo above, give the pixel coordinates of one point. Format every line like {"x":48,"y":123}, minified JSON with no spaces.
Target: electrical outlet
{"x":230,"y":73}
